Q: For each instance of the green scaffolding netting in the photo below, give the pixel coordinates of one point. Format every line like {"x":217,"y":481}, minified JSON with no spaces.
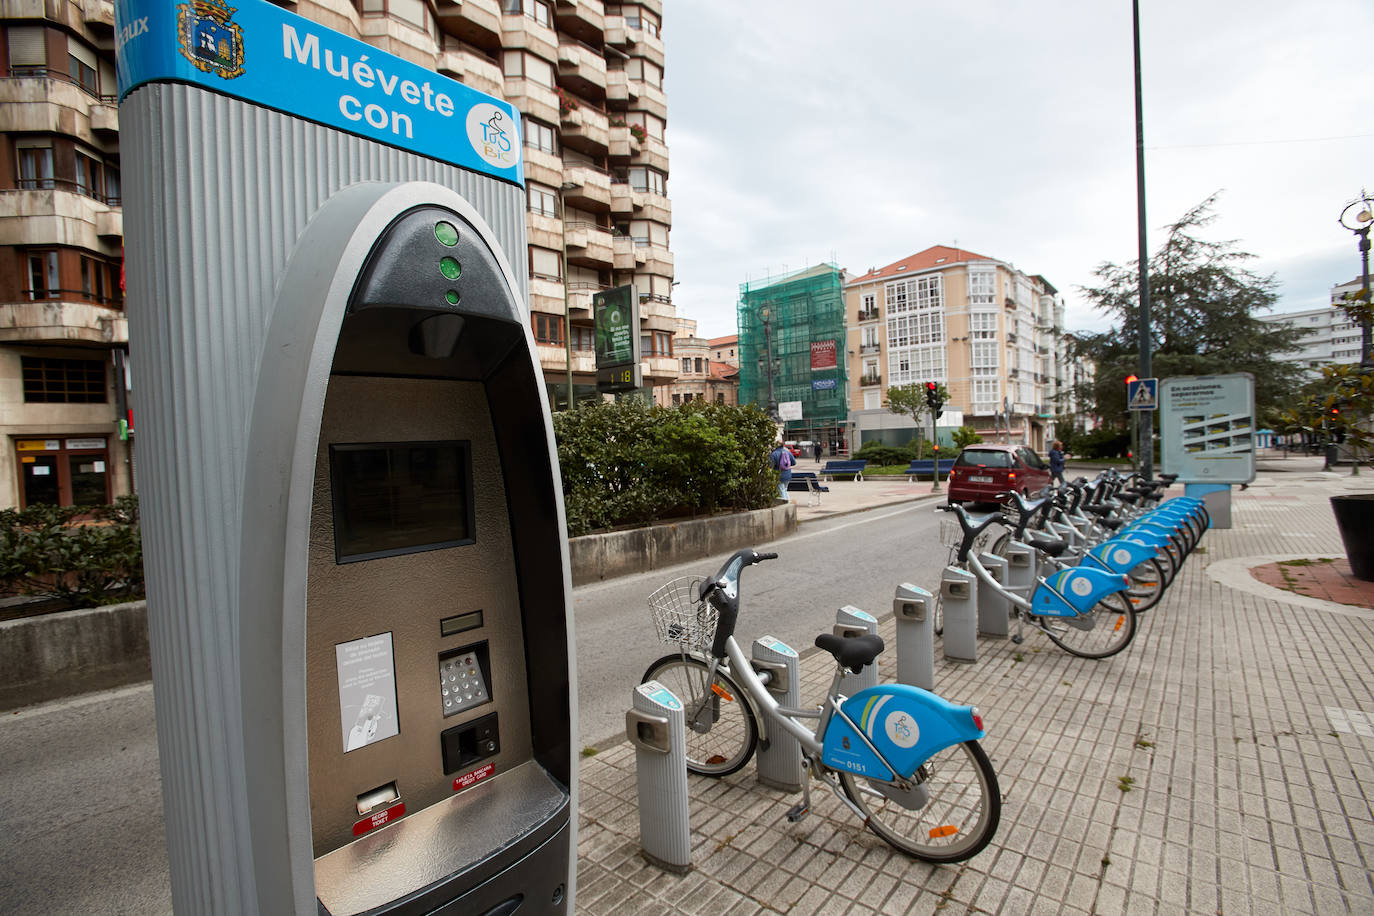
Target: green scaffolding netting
{"x":805,"y":332}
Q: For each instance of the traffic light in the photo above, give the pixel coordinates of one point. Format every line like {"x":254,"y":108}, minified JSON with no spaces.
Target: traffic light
{"x":933,"y":400}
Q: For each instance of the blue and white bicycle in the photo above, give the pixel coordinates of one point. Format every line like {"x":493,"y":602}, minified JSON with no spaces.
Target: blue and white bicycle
{"x":905,"y":761}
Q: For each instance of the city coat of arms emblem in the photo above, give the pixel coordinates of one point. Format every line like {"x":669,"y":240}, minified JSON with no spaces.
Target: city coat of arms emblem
{"x":208,"y":39}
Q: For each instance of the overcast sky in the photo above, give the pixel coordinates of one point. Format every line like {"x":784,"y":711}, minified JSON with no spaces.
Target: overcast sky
{"x":861,"y":132}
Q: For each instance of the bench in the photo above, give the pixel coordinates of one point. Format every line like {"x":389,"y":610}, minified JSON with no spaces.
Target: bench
{"x":926,"y":467}
{"x":851,"y":468}
{"x":807,"y":482}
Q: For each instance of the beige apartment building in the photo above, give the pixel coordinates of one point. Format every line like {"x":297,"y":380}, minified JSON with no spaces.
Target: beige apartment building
{"x":587,"y":77}
{"x":701,"y":376}
{"x":993,"y":335}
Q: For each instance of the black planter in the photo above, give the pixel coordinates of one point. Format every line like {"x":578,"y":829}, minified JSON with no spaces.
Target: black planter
{"x":1355,"y":521}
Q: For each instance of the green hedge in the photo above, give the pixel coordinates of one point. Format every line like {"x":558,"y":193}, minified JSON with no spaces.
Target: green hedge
{"x":630,"y":463}
{"x":81,"y":555}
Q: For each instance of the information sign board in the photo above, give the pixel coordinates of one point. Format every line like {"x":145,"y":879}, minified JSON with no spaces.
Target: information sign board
{"x":1207,"y":426}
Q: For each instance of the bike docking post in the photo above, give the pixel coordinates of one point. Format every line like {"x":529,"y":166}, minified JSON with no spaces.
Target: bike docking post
{"x":779,"y":755}
{"x":654,"y":725}
{"x":912,"y":606}
{"x":959,"y":605}
{"x":850,"y":621}
{"x":1021,"y":569}
{"x":994,"y":610}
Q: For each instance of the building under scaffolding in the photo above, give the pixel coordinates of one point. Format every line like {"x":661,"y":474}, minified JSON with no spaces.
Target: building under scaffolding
{"x":791,"y":352}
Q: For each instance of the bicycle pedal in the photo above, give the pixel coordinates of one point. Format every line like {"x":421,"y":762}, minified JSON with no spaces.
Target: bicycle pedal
{"x":1018,"y":639}
{"x":797,"y":812}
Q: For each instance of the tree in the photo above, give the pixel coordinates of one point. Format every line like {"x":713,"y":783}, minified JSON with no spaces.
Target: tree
{"x":965,"y":436}
{"x":1203,"y":303}
{"x":910,"y":400}
{"x":1337,"y":408}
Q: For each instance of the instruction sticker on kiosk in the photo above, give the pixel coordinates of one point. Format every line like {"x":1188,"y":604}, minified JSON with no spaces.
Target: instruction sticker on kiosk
{"x":367,"y":690}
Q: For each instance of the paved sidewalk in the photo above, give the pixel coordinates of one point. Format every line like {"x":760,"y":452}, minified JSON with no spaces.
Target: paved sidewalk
{"x":1243,"y":720}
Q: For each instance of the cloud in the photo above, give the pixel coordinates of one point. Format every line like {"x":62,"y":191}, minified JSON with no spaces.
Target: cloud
{"x":798,"y":135}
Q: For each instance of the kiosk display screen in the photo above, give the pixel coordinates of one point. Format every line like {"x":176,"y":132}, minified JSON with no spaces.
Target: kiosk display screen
{"x":400,"y":497}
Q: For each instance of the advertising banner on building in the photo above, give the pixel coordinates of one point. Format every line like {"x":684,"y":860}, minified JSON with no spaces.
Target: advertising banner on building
{"x":823,"y":354}
{"x":1206,"y":427}
{"x":615,"y":313}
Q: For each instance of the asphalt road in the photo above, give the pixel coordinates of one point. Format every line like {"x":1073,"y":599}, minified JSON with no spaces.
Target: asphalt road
{"x":848,"y":560}
{"x":81,"y":827}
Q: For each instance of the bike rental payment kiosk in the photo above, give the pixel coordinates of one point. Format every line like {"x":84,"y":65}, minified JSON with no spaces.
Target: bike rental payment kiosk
{"x":399,"y":724}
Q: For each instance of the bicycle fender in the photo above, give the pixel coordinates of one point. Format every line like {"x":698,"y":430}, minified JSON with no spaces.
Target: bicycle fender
{"x":1079,"y":587}
{"x":906,"y":724}
{"x":1120,"y":555}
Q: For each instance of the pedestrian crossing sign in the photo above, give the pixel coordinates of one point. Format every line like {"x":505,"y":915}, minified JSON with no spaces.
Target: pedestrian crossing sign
{"x":1142,"y":394}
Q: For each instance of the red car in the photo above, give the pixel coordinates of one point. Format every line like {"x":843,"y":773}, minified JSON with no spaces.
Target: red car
{"x":982,"y":472}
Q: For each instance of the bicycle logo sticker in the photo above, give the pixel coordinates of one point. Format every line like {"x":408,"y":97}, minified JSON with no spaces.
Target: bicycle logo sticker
{"x":901,"y":729}
{"x":1122,"y":556}
{"x":1081,"y":586}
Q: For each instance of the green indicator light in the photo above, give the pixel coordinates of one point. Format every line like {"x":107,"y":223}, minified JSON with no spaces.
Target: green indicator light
{"x":452,"y":296}
{"x":446,"y":233}
{"x":450,"y":268}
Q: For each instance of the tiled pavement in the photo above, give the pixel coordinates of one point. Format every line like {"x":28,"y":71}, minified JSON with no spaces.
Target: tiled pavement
{"x":1243,"y":722}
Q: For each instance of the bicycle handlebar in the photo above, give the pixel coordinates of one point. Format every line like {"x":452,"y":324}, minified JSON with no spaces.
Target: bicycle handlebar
{"x":723,"y":592}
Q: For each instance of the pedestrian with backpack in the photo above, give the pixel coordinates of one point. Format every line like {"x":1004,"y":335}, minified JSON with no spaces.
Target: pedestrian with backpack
{"x":780,"y":459}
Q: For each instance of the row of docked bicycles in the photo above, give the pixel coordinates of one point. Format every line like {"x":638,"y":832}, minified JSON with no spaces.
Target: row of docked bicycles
{"x":903,"y":760}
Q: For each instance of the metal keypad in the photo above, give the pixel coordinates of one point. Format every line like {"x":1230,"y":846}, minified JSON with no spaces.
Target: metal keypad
{"x":461,"y":684}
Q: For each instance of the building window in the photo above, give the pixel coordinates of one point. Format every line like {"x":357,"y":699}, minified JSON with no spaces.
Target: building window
{"x":93,"y":279}
{"x":28,"y":50}
{"x":63,"y":381}
{"x":63,"y":472}
{"x":540,"y":136}
{"x":542,"y":199}
{"x":548,"y":329}
{"x":659,"y":343}
{"x":35,"y":167}
{"x":582,"y":338}
{"x":647,"y":179}
{"x":545,"y":263}
{"x":698,"y":362}
{"x":81,"y":66}
{"x":537,"y":10}
{"x":982,"y":287}
{"x":518,"y":64}
{"x":43,"y":283}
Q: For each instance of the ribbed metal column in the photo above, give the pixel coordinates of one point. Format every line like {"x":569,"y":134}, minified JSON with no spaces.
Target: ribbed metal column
{"x":994,"y":610}
{"x":217,"y":192}
{"x":780,"y":757}
{"x":655,"y":726}
{"x":959,"y":609}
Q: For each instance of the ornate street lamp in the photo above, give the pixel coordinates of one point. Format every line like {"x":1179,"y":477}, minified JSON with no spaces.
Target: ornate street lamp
{"x":1358,"y":216}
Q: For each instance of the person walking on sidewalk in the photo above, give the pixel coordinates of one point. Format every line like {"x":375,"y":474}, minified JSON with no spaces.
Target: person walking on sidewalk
{"x":780,"y":459}
{"x":1057,"y":462}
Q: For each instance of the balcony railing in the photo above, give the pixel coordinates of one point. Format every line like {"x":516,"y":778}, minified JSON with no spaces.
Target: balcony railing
{"x":114,"y":300}
{"x":870,"y":380}
{"x":67,"y":184}
{"x":870,"y":315}
{"x":870,"y":348}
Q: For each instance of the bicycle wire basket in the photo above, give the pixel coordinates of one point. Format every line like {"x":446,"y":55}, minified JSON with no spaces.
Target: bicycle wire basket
{"x":951,"y":533}
{"x":680,"y":618}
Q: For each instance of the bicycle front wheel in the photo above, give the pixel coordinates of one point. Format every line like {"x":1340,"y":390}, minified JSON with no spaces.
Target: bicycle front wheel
{"x":721,"y":733}
{"x":1147,"y":583}
{"x":1105,"y":629}
{"x":962,"y":806}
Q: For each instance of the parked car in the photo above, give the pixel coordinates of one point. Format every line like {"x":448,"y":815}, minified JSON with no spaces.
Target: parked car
{"x":794,"y":448}
{"x":982,"y":472}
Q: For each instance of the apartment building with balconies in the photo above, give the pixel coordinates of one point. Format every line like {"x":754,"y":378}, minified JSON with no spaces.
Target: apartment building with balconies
{"x":1328,"y":336}
{"x":993,"y":335}
{"x":586,"y":76}
{"x":63,"y":336}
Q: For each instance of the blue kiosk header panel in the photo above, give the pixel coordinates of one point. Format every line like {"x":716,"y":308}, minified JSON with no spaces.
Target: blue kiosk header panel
{"x":265,"y":55}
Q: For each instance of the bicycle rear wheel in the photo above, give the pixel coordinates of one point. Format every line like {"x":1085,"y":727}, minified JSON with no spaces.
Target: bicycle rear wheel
{"x":1104,"y":630}
{"x":958,"y":820}
{"x":721,"y":733}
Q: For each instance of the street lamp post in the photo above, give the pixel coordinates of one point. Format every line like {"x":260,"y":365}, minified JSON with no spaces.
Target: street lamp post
{"x":1358,"y":216}
{"x":768,"y":350}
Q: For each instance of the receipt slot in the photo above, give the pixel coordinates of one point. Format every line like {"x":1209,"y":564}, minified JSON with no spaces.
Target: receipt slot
{"x":358,"y":587}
